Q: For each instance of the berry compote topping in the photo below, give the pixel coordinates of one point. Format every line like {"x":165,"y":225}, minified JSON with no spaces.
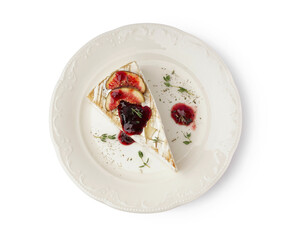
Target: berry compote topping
{"x":182,"y":114}
{"x":133,"y":117}
{"x":125,"y":139}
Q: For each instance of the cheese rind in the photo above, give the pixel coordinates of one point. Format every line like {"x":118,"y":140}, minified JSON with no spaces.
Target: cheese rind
{"x":154,"y":128}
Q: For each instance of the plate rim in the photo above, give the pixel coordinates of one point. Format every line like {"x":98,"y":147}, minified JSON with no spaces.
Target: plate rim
{"x":177,"y":203}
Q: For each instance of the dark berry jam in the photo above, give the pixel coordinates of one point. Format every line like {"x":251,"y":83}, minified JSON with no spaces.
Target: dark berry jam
{"x":182,"y":114}
{"x":125,"y":139}
{"x":133,"y":117}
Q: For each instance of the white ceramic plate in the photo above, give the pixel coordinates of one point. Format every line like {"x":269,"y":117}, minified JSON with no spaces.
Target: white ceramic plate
{"x":109,"y":172}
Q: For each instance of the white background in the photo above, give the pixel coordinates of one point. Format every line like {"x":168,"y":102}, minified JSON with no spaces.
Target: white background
{"x":37,"y":198}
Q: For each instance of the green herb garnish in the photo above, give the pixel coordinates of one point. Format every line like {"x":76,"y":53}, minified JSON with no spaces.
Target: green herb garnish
{"x":156,"y":140}
{"x":167,"y":78}
{"x":112,"y":137}
{"x":181,"y":118}
{"x":145,"y":164}
{"x":140,"y":154}
{"x":137,"y":112}
{"x":181,"y":89}
{"x":173,"y":72}
{"x":187,"y":135}
{"x":167,"y":83}
{"x":104,"y":137}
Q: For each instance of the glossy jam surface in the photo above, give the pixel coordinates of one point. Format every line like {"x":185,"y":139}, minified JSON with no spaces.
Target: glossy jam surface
{"x":182,"y":114}
{"x":124,"y":138}
{"x":125,"y":79}
{"x":133,"y":117}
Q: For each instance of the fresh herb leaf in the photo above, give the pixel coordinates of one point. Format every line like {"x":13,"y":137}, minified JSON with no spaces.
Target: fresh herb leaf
{"x":167,"y":78}
{"x":173,"y":72}
{"x":182,"y":119}
{"x":137,"y":112}
{"x":112,"y":136}
{"x":167,"y":84}
{"x":104,"y":137}
{"x":187,"y":135}
{"x":140,"y":154}
{"x":181,"y":89}
{"x":145,"y":164}
{"x":156,"y":140}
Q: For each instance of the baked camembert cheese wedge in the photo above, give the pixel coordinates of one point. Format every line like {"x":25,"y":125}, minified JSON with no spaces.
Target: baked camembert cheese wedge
{"x":125,"y":98}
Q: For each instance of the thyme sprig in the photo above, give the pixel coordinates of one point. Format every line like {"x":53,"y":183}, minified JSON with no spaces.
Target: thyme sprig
{"x":137,"y":112}
{"x":140,"y":154}
{"x":156,"y":140}
{"x":181,"y":118}
{"x":187,"y":135}
{"x":167,"y":78}
{"x":167,"y":83}
{"x":105,"y":136}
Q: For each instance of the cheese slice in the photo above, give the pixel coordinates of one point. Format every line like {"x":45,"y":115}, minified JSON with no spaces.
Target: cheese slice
{"x":154,"y":128}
